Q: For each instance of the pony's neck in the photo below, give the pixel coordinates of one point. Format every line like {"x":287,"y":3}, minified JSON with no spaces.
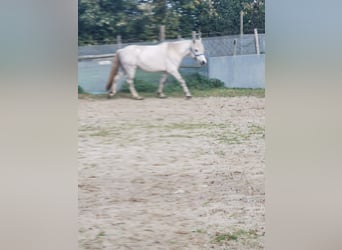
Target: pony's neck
{"x":186,"y":49}
{"x":183,"y":47}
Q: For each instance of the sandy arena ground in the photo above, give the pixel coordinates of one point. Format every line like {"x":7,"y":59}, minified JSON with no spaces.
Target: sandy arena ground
{"x":172,"y":173}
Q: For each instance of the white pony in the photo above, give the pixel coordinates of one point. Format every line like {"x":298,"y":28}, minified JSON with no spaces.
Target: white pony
{"x":165,"y":57}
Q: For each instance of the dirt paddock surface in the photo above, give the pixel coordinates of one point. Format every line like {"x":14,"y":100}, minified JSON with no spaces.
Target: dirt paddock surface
{"x":172,"y":173}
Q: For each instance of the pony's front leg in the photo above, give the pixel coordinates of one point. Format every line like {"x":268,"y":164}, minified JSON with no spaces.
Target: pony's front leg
{"x":182,"y":83}
{"x":134,"y":93}
{"x":161,"y":86}
{"x":130,"y":72}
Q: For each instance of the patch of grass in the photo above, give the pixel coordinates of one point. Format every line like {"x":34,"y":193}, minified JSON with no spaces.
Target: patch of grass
{"x":220,"y":153}
{"x":85,"y":128}
{"x":256,"y":130}
{"x":171,"y":126}
{"x":141,"y":86}
{"x":176,"y":136}
{"x":230,"y":135}
{"x":199,"y":86}
{"x":206,"y":203}
{"x":101,"y":234}
{"x":100,"y":132}
{"x":222,"y":132}
{"x":90,"y":165}
{"x":103,"y":133}
{"x":193,"y":81}
{"x":236,"y":235}
{"x":201,"y":231}
{"x":219,"y":237}
{"x":188,"y":126}
{"x":178,"y":92}
{"x":229,"y":92}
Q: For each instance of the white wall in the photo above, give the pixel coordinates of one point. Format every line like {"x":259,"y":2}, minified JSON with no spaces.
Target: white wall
{"x":245,"y":71}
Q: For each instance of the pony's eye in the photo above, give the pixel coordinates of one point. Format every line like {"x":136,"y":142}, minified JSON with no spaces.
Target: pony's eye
{"x":196,"y":50}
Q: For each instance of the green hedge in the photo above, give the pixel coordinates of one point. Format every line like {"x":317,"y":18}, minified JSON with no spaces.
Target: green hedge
{"x":195,"y":81}
{"x":81,"y":90}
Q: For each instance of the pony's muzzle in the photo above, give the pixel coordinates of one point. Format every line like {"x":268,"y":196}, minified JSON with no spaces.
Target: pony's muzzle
{"x":201,"y":59}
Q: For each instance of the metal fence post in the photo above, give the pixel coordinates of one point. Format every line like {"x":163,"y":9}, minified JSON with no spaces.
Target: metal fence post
{"x":241,"y":32}
{"x":162,"y":33}
{"x":241,"y":22}
{"x":257,"y":41}
{"x":119,"y":41}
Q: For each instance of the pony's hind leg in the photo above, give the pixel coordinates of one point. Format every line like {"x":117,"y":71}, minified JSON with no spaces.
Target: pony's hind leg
{"x":161,"y":86}
{"x":117,"y":78}
{"x":182,"y":83}
{"x":130,"y":81}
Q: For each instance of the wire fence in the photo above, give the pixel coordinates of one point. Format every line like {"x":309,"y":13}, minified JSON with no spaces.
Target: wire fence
{"x":233,"y":45}
{"x":214,"y":46}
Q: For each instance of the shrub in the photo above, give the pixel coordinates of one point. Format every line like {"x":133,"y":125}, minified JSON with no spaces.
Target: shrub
{"x":141,"y":86}
{"x":198,"y":81}
{"x":80,"y":90}
{"x":194,"y":81}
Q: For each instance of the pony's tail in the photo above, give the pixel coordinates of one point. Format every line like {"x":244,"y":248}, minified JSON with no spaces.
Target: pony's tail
{"x":113,"y":72}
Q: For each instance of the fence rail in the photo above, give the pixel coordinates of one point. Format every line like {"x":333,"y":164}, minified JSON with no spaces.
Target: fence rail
{"x":91,"y":57}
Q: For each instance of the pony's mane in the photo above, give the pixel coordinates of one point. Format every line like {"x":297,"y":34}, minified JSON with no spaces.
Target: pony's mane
{"x":177,"y":42}
{"x":179,"y":45}
{"x":181,"y":41}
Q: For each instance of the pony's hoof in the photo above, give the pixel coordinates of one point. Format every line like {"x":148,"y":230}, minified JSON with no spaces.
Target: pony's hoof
{"x":161,"y":95}
{"x":188,"y":97}
{"x":138,"y":98}
{"x":110,"y":95}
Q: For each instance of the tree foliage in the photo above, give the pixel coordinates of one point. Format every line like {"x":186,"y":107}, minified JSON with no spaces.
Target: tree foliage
{"x":100,"y":21}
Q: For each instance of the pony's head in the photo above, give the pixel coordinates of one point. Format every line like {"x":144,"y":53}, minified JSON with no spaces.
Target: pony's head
{"x":197,"y":51}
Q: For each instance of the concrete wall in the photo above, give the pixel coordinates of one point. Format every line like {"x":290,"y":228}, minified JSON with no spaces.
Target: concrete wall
{"x":245,"y":71}
{"x":93,"y":74}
